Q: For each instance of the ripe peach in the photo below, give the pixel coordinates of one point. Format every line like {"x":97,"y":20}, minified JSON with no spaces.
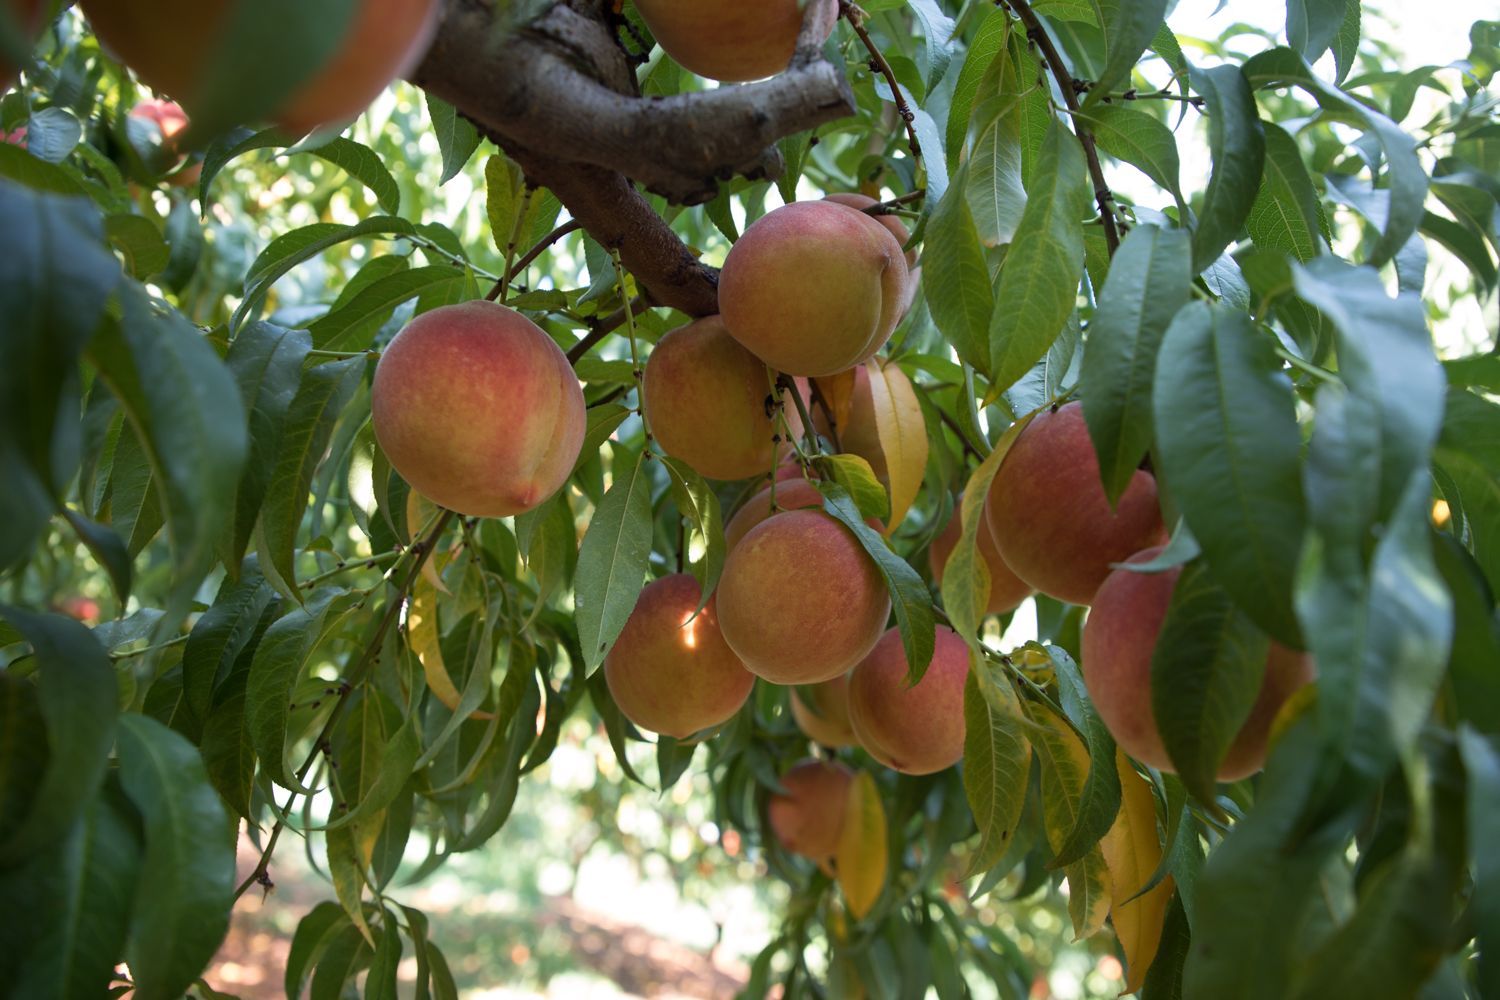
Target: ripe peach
{"x":1049,"y":515}
{"x":914,"y":730}
{"x":671,"y":672}
{"x":727,"y":40}
{"x":791,"y":494}
{"x":813,"y":288}
{"x":28,"y":15}
{"x":1007,"y":590}
{"x":1119,"y":638}
{"x":171,"y":45}
{"x":809,"y":816}
{"x":898,"y":229}
{"x":478,"y":409}
{"x":800,"y":600}
{"x":705,"y":399}
{"x":824,"y":715}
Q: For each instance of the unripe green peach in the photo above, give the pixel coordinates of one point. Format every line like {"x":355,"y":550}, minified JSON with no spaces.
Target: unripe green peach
{"x":914,"y":730}
{"x":671,"y":671}
{"x":705,"y":398}
{"x":728,"y":40}
{"x":171,"y":45}
{"x":1049,"y":515}
{"x":1119,"y":639}
{"x":1007,"y":590}
{"x":809,"y":816}
{"x":813,"y":288}
{"x":800,"y":600}
{"x":478,"y":409}
{"x":824,"y":714}
{"x":28,"y":16}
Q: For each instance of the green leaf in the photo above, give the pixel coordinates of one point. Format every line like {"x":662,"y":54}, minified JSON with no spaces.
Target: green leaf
{"x":697,"y":501}
{"x":267,"y":364}
{"x":140,"y":243}
{"x":76,"y":694}
{"x":221,"y":633}
{"x":1312,"y":25}
{"x":991,"y":177}
{"x":989,"y":40}
{"x":188,"y":866}
{"x":325,"y":391}
{"x":1206,"y":673}
{"x":1039,"y":283}
{"x":1139,"y":139}
{"x":1238,"y":146}
{"x":1099,"y":800}
{"x":505,"y":197}
{"x":1129,"y":27}
{"x":108,"y":548}
{"x":184,"y":405}
{"x":857,"y":478}
{"x":313,"y":935}
{"x":1482,"y":766}
{"x":351,"y":325}
{"x":997,"y":763}
{"x":521,"y":700}
{"x":380,"y":983}
{"x":1346,"y":42}
{"x":364,"y":165}
{"x":1149,"y":282}
{"x":910,"y":598}
{"x":1286,"y":215}
{"x":228,"y":753}
{"x":380,"y":778}
{"x":613,"y":558}
{"x":548,"y":541}
{"x":457,"y":137}
{"x":956,"y":278}
{"x":1226,"y":431}
{"x":341,"y":961}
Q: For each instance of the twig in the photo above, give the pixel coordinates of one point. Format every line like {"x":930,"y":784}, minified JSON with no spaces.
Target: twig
{"x":520,"y":266}
{"x":1037,"y":33}
{"x":602,"y":327}
{"x":421,"y":549}
{"x":889,"y":206}
{"x":856,"y":18}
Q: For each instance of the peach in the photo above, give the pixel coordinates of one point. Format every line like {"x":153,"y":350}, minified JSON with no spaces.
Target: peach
{"x":671,"y":672}
{"x":1119,"y":638}
{"x":791,"y":494}
{"x":172,"y":44}
{"x":29,"y":16}
{"x":171,"y":121}
{"x":1007,"y":590}
{"x":813,"y":288}
{"x":478,"y":409}
{"x":727,"y":40}
{"x":898,"y":229}
{"x":824,"y":713}
{"x":1049,"y":515}
{"x":914,"y":730}
{"x":858,"y":433}
{"x":809,"y":816}
{"x":705,"y":399}
{"x":800,"y":600}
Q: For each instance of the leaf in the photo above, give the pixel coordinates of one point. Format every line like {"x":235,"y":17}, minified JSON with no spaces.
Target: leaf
{"x":505,"y":198}
{"x":457,"y":137}
{"x":1039,"y":283}
{"x":854,"y":474}
{"x":903,"y":435}
{"x":324,"y":392}
{"x":910,"y":598}
{"x":228,"y":754}
{"x":1149,"y":282}
{"x":1088,"y":894}
{"x":956,"y":277}
{"x":364,"y":165}
{"x":1077,"y":808}
{"x":188,"y":865}
{"x":53,"y":133}
{"x":1129,"y":27}
{"x":997,"y":764}
{"x":351,"y":325}
{"x":267,"y":364}
{"x":1132,"y":854}
{"x":313,"y":935}
{"x":1346,"y":42}
{"x":861,"y":856}
{"x":140,"y":243}
{"x":549,"y":544}
{"x":1140,"y":140}
{"x":1286,"y":215}
{"x":613,"y":558}
{"x":697,"y":502}
{"x":1226,"y":431}
{"x":221,"y":634}
{"x":1206,"y":673}
{"x":107,"y":548}
{"x":1238,"y":146}
{"x":1482,"y":767}
{"x":425,"y":639}
{"x":75,"y":694}
{"x":1313,"y":25}
{"x":992,"y":182}
{"x":988,"y":41}
{"x":1099,"y":799}
{"x":186,"y":409}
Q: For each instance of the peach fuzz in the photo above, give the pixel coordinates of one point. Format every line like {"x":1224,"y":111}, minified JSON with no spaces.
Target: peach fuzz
{"x":800,"y":600}
{"x":478,"y":409}
{"x":914,"y":730}
{"x":1050,"y":518}
{"x":705,"y":399}
{"x":671,"y":672}
{"x":823,"y":715}
{"x":1007,"y":590}
{"x":728,"y":40}
{"x":813,"y":288}
{"x":171,"y":45}
{"x":1119,"y":639}
{"x":809,"y":816}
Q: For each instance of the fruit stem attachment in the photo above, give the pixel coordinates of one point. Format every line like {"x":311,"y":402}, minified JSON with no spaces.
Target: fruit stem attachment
{"x":356,"y":676}
{"x":856,"y":16}
{"x":785,"y":384}
{"x":1036,"y":32}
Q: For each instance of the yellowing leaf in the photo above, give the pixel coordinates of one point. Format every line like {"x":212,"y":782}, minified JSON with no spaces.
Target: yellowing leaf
{"x":861,"y":855}
{"x":1088,"y":893}
{"x":903,"y":435}
{"x":425,"y":640}
{"x":1132,"y":853}
{"x":1065,"y":763}
{"x":838,"y":395}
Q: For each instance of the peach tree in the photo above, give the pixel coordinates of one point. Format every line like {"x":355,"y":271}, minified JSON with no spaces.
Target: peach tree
{"x":753,"y":422}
